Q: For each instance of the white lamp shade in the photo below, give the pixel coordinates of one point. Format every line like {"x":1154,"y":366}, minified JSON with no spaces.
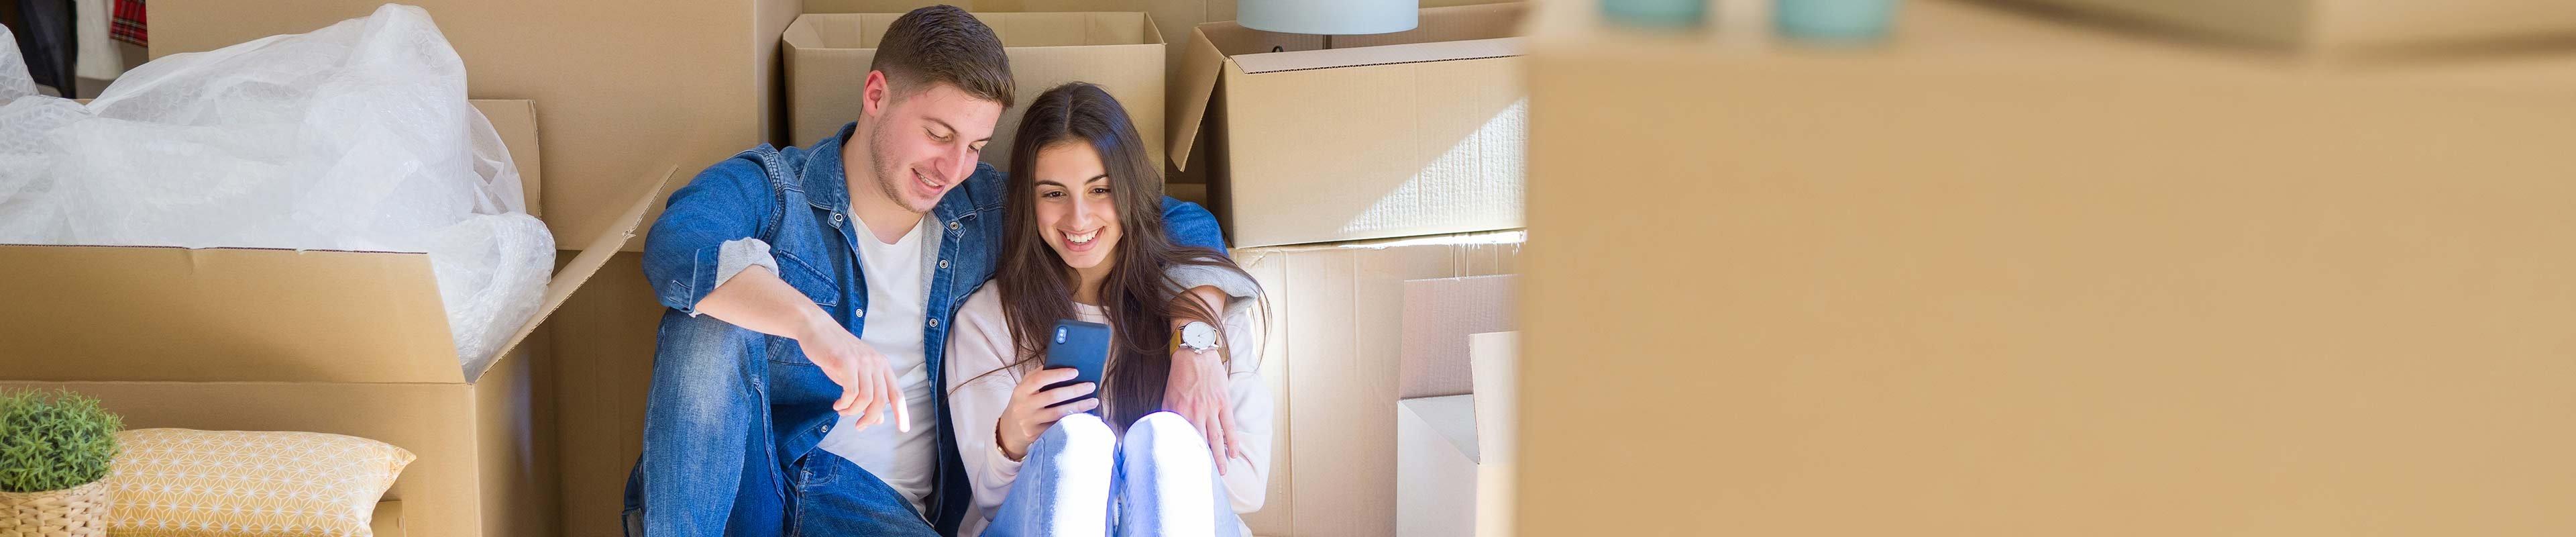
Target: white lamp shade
{"x":1330,"y":17}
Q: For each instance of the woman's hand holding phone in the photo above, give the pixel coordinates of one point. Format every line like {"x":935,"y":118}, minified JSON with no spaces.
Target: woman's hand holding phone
{"x":1033,"y":408}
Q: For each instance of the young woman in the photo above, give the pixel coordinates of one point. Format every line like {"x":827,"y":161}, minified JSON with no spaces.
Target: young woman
{"x":1084,"y":241}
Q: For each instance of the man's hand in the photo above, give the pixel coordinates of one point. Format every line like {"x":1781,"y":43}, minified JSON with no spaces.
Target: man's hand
{"x":1196,"y":390}
{"x":868,"y":387}
{"x":756,"y":299}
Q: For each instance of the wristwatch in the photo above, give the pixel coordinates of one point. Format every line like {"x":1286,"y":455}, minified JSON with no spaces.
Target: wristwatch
{"x":1196,"y":336}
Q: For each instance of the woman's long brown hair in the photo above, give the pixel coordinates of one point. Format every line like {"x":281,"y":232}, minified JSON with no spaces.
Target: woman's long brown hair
{"x":1140,"y":299}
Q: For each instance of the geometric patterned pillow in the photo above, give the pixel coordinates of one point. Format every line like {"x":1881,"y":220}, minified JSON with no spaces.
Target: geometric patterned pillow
{"x":182,"y":482}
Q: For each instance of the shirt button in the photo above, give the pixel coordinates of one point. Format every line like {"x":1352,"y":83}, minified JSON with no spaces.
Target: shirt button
{"x":825,"y":429}
{"x":952,"y":226}
{"x":943,"y":263}
{"x":836,"y":219}
{"x":934,"y":323}
{"x":854,"y":314}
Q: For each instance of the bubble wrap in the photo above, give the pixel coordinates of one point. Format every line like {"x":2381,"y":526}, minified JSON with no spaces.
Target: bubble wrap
{"x":356,"y":136}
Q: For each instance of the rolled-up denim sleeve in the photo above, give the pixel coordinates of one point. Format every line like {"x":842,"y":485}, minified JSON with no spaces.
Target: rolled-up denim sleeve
{"x":684,"y":256}
{"x":1191,"y":225}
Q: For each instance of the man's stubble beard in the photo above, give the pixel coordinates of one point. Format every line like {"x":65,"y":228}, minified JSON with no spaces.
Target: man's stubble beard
{"x":885,"y":173}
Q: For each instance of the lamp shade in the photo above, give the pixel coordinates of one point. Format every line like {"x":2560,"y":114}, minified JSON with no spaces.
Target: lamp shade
{"x":1329,"y":17}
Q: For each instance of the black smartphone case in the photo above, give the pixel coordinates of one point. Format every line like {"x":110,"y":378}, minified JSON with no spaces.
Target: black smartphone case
{"x":1081,"y":346}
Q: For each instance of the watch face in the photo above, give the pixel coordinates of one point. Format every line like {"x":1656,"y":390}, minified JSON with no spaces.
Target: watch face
{"x":1197,"y":334}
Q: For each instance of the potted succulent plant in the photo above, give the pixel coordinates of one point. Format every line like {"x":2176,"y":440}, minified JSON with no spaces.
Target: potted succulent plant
{"x":54,"y":453}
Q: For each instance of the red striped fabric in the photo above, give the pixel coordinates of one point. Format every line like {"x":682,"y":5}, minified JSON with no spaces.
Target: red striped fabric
{"x":127,"y":24}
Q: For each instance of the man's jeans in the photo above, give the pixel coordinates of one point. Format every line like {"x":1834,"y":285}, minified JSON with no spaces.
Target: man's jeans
{"x":710,"y":466}
{"x":1162,"y":475}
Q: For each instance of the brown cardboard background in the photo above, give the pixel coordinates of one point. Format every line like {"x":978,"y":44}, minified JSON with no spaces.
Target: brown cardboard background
{"x":604,"y":340}
{"x":828,"y":56}
{"x":1174,"y":17}
{"x":2056,"y":298}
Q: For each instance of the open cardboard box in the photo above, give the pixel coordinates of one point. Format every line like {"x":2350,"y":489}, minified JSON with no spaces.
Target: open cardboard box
{"x":1410,"y":133}
{"x":352,"y":343}
{"x":828,"y":57}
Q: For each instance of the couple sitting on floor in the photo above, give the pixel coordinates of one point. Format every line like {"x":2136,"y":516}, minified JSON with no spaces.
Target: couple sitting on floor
{"x":857,"y":329}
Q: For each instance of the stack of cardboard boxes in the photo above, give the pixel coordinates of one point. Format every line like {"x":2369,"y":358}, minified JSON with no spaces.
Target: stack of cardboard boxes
{"x":1340,"y":173}
{"x":2022,"y":272}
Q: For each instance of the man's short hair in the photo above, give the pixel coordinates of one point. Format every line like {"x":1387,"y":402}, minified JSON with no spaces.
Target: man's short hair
{"x":943,"y":44}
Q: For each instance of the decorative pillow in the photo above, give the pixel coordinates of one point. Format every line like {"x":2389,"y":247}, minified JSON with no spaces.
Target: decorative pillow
{"x":181,"y":482}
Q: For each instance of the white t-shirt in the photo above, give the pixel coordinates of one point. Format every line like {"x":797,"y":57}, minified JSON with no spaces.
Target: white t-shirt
{"x":897,"y":292}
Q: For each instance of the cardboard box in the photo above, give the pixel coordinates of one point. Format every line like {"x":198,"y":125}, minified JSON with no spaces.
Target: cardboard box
{"x":1454,"y":452}
{"x":351,"y":343}
{"x":1439,"y":314}
{"x":387,"y":520}
{"x":828,"y":55}
{"x":1175,"y":18}
{"x":624,"y":92}
{"x":1436,"y":466}
{"x":603,"y":372}
{"x":1497,"y":357}
{"x":1410,"y":133}
{"x":2008,"y":275}
{"x":1331,"y":352}
{"x":2347,"y":25}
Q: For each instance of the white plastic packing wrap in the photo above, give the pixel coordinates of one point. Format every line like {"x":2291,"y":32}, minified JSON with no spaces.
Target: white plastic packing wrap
{"x":353,"y":137}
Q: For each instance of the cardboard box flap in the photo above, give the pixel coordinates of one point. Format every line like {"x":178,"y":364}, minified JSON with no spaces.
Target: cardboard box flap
{"x":1202,"y":61}
{"x":1452,"y":417}
{"x":97,"y":313}
{"x":1213,"y":44}
{"x":1189,"y":94}
{"x":584,"y":264}
{"x":1273,"y":62}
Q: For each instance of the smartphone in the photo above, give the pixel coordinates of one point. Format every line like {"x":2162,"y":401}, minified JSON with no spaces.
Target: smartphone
{"x":1081,"y":346}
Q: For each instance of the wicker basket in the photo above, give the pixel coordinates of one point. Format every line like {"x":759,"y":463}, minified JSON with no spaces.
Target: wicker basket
{"x":74,"y":512}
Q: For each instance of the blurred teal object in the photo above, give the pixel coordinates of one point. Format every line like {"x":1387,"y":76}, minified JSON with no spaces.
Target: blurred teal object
{"x":1656,"y":13}
{"x":1834,"y":20}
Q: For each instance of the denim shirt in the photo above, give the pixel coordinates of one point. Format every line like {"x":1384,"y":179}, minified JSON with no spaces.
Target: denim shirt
{"x":796,"y":200}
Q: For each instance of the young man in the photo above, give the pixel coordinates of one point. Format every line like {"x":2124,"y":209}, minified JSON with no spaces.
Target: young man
{"x":795,"y":380}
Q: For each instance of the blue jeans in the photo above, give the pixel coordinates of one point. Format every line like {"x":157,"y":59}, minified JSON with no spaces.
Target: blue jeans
{"x":712,"y":463}
{"x":1161,"y":474}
